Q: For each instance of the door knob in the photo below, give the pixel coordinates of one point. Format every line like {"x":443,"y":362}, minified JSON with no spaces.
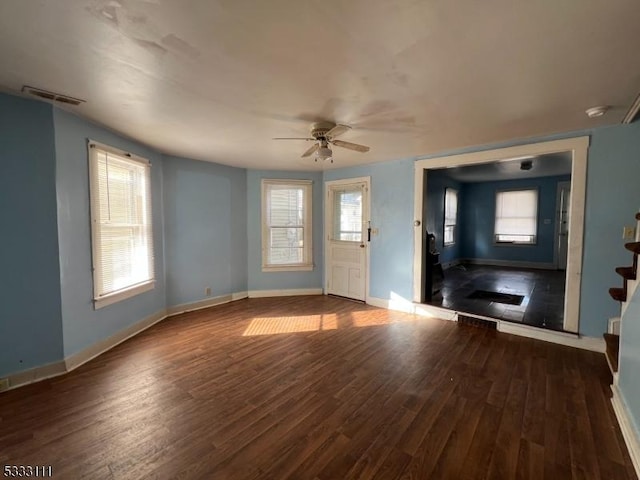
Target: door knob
{"x":362,"y":245}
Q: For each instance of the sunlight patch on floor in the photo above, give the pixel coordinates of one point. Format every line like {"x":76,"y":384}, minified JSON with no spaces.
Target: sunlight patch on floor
{"x":299,"y":323}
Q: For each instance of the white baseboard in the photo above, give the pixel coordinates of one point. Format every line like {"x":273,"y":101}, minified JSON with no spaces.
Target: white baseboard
{"x":83,"y":356}
{"x":509,"y":263}
{"x":562,"y":338}
{"x":36,"y":374}
{"x":206,"y":303}
{"x":75,"y":360}
{"x":284,"y":293}
{"x":629,"y":432}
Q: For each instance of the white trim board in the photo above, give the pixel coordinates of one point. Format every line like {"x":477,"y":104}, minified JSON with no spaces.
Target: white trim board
{"x":284,"y":292}
{"x":578,"y":146}
{"x":631,"y":437}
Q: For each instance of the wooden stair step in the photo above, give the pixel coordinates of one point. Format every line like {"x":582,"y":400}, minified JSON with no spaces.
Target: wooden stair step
{"x":618,"y":294}
{"x":628,"y":273}
{"x":613,"y":347}
{"x":633,"y":246}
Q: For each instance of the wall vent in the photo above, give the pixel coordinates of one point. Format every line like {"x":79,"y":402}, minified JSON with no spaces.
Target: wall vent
{"x":52,"y":96}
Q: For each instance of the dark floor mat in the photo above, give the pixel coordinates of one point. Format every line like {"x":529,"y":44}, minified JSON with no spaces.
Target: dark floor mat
{"x":497,"y":297}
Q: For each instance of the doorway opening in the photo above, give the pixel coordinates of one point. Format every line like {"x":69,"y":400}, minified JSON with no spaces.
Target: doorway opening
{"x":499,"y":233}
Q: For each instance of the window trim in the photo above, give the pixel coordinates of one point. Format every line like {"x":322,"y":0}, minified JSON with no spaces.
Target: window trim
{"x":499,"y":243}
{"x":307,"y":264}
{"x":444,"y":222}
{"x":100,"y":301}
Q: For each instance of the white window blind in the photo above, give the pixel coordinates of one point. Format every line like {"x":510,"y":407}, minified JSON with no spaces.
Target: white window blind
{"x":450,"y":215}
{"x":516,"y":216}
{"x":121,"y":230}
{"x":286,"y":225}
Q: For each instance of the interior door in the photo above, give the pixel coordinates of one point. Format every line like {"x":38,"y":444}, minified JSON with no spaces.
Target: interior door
{"x":564,"y":197}
{"x":347,"y":223}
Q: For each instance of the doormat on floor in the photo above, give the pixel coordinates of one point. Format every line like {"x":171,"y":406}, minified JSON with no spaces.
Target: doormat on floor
{"x":497,"y":297}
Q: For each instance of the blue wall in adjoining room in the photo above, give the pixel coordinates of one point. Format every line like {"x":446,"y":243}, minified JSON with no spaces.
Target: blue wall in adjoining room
{"x":30,"y":311}
{"x":205,"y":229}
{"x":259,"y":280}
{"x":478,"y":218}
{"x":391,"y":251}
{"x":437,"y":182}
{"x":82,"y":325}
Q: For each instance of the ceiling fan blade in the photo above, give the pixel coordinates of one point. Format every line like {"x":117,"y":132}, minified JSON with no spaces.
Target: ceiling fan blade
{"x":337,"y":131}
{"x":351,"y":146}
{"x":311,"y":150}
{"x":292,"y":138}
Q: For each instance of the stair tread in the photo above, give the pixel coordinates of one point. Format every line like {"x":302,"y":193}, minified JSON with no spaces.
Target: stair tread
{"x":633,"y":246}
{"x":618,"y":294}
{"x":613,"y":347}
{"x":626,"y":272}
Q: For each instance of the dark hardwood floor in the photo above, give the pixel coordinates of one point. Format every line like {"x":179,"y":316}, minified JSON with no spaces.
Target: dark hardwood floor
{"x":320,"y":388}
{"x":543,"y":292}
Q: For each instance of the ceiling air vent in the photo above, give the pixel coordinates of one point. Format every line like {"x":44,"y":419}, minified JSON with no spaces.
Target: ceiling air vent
{"x":54,"y":97}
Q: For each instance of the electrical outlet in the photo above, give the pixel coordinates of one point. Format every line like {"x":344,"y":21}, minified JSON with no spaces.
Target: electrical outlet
{"x":4,"y":384}
{"x":207,"y":291}
{"x":628,"y":233}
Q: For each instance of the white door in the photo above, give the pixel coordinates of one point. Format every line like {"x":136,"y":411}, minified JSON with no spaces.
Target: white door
{"x":347,"y":238}
{"x":564,"y":199}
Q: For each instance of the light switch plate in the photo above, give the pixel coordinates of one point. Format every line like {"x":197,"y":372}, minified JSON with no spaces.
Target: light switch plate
{"x":628,"y":233}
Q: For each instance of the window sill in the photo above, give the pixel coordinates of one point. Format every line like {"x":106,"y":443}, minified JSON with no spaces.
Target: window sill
{"x":116,"y":297}
{"x":287,"y":268}
{"x":449,"y":244}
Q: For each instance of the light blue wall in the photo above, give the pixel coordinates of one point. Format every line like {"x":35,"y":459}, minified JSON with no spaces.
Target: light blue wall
{"x":82,"y":325}
{"x":391,"y":251}
{"x":205,"y":229}
{"x":478,"y":214}
{"x":629,"y":360}
{"x":30,"y":312}
{"x":259,"y":280}
{"x":437,"y":182}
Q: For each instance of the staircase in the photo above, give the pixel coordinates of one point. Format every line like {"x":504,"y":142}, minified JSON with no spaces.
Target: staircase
{"x":629,"y":284}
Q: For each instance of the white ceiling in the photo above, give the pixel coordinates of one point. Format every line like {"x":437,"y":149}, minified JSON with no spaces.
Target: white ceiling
{"x":217,"y":79}
{"x":541,"y":166}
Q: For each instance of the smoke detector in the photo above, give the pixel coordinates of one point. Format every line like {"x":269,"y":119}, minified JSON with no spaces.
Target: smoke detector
{"x":598,"y":111}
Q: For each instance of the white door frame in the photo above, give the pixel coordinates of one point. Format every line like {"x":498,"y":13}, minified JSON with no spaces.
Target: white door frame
{"x":328,"y":222}
{"x":558,"y":227}
{"x":578,"y":146}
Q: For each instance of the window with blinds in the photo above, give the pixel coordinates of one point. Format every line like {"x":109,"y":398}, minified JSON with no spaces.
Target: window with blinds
{"x":450,"y":215}
{"x":121,"y":232}
{"x":516,"y":216}
{"x":286,"y":225}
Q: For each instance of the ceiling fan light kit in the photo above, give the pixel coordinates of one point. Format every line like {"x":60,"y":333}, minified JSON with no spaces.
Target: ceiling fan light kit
{"x":323,"y":134}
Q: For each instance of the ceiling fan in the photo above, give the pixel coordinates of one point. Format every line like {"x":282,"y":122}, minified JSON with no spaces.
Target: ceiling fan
{"x":323,"y":134}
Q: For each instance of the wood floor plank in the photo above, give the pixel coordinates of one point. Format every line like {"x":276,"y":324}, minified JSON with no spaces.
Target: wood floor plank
{"x":320,"y":388}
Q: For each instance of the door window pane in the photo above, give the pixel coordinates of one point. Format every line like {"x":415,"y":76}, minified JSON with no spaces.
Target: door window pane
{"x":347,"y":215}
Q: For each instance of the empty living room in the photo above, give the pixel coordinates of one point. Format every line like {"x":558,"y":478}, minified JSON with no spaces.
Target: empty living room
{"x":319,"y":240}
